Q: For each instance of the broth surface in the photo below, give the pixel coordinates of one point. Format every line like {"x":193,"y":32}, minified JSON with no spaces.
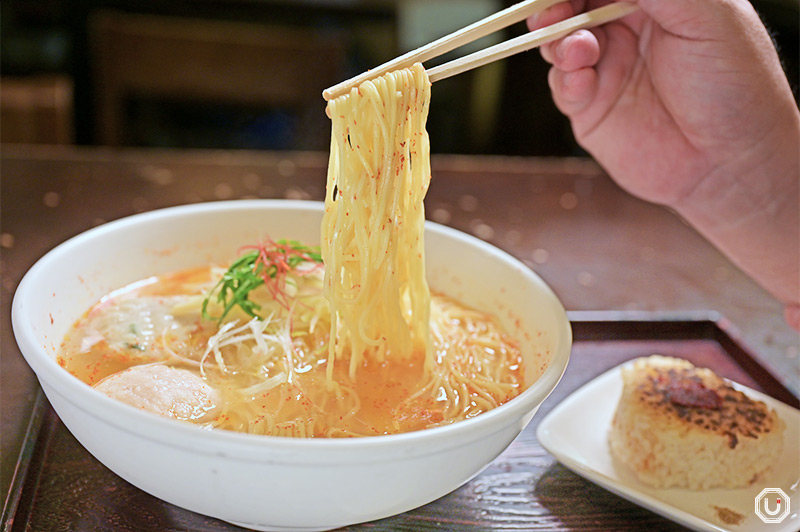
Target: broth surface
{"x":270,"y":374}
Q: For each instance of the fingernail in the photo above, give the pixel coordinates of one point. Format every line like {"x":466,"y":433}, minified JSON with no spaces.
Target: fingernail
{"x":561,"y":50}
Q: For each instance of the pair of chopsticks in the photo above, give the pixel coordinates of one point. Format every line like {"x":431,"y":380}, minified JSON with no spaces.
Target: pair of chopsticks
{"x":484,"y":27}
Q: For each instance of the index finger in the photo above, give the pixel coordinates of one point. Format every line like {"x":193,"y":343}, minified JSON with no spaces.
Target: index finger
{"x":555,"y":13}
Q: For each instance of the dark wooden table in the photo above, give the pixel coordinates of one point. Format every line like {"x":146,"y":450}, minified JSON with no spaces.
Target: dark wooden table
{"x":599,"y":248}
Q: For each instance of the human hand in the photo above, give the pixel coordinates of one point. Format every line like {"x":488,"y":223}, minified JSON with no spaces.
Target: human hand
{"x":685,"y":103}
{"x":673,"y":94}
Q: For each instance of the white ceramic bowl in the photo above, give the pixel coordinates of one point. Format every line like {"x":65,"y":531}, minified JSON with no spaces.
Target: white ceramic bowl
{"x":273,"y":483}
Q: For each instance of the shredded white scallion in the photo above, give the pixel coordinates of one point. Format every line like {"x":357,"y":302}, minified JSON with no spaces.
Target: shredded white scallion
{"x":231,"y":334}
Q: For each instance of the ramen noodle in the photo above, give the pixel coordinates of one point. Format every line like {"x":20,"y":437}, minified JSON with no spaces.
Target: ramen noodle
{"x":293,"y":340}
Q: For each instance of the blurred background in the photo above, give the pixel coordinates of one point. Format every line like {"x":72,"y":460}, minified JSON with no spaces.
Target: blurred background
{"x":247,"y":74}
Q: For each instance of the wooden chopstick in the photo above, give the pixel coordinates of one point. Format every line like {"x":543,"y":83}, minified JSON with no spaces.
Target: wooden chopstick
{"x":533,"y":39}
{"x":465,"y":35}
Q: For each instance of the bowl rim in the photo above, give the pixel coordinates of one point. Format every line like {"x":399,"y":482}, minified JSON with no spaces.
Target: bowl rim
{"x":131,"y":419}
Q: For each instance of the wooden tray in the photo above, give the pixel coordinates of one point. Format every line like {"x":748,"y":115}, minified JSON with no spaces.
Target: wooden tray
{"x":58,"y":485}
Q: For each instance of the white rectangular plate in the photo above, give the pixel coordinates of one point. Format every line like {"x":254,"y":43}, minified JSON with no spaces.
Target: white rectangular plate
{"x":576,"y":433}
